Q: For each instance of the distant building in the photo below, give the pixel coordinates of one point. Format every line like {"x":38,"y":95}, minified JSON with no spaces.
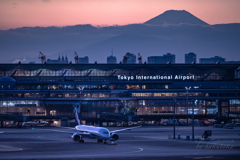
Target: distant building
{"x":130,"y":58}
{"x":154,"y":59}
{"x":83,"y":60}
{"x":59,"y":60}
{"x":111,"y":60}
{"x":212,"y":60}
{"x":169,"y":57}
{"x":32,"y":62}
{"x":232,"y":62}
{"x":190,"y":57}
{"x":162,"y":59}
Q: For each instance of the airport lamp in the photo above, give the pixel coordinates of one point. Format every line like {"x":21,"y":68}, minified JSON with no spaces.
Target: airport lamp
{"x":194,"y":103}
{"x":80,"y":89}
{"x":174,"y":101}
{"x":187,"y":88}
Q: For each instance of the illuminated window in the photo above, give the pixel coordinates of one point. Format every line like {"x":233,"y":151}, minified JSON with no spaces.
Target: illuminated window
{"x":94,"y":95}
{"x":166,"y":86}
{"x":53,"y":113}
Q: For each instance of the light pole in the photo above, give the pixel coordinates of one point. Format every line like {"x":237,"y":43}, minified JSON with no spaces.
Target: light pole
{"x":194,"y":102}
{"x":187,"y":88}
{"x":80,"y":89}
{"x":174,"y":101}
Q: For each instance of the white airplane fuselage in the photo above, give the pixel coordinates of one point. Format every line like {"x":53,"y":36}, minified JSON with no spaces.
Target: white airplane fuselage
{"x":94,"y":132}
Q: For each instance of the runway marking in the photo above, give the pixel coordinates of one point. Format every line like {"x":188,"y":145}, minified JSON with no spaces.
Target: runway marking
{"x":206,"y":157}
{"x":140,"y":149}
{"x":1,"y":132}
{"x":9,"y":148}
{"x":57,"y":130}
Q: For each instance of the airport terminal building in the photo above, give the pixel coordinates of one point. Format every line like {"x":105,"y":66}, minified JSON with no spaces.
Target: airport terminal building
{"x":141,"y":92}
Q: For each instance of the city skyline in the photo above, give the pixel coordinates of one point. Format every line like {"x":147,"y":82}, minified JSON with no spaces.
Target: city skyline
{"x":131,"y":58}
{"x":45,"y":13}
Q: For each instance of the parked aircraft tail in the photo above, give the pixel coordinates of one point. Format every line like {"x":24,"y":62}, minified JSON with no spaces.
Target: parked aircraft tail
{"x":76,"y":115}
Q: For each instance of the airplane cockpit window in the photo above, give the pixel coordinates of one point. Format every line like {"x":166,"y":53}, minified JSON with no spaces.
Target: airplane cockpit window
{"x":105,"y":132}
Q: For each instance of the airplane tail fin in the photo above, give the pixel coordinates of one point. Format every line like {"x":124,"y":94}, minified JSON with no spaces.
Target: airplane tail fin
{"x":76,"y":115}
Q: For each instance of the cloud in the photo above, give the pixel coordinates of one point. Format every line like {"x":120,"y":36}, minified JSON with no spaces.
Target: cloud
{"x":46,"y":0}
{"x":24,"y":60}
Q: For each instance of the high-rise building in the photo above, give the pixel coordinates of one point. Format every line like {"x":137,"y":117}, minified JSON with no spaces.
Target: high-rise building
{"x":83,"y":60}
{"x":169,"y":57}
{"x":212,"y":60}
{"x":190,"y":57}
{"x":162,"y":59}
{"x":129,"y":58}
{"x":111,"y":60}
{"x":154,"y":59}
{"x":59,"y":60}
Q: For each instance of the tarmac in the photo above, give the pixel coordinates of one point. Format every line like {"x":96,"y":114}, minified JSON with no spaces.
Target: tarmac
{"x":141,"y":143}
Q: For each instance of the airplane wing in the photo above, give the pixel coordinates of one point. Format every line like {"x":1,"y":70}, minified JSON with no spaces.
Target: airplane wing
{"x":65,"y":127}
{"x":124,"y":129}
{"x":70,"y":132}
{"x":58,"y":131}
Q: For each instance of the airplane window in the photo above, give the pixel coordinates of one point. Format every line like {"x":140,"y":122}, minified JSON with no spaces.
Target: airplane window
{"x":105,"y":132}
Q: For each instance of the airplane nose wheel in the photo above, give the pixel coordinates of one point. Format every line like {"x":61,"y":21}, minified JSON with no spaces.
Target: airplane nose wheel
{"x":81,"y":140}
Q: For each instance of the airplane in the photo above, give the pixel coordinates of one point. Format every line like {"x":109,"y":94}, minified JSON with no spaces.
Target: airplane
{"x":92,"y":132}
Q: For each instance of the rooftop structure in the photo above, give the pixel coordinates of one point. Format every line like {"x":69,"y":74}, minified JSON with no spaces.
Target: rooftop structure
{"x":162,"y":59}
{"x":59,"y":60}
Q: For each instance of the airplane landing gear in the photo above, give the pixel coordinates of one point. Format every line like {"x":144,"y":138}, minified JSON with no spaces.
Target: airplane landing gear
{"x":81,"y":141}
{"x":100,"y":141}
{"x":105,"y":142}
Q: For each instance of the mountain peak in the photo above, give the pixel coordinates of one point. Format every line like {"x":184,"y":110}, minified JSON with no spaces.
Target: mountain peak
{"x":175,"y":17}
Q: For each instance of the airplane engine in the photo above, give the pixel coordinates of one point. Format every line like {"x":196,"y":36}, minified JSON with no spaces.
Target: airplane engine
{"x":76,"y":137}
{"x":114,"y":136}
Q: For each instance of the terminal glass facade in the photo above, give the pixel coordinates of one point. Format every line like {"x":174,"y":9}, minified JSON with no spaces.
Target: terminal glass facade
{"x":143,"y":91}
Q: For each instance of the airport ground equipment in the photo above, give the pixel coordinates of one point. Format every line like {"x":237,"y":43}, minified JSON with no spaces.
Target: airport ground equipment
{"x":206,"y":135}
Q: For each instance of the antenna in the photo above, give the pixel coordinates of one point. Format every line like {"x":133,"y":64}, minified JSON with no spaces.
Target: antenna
{"x":76,"y":57}
{"x":139,"y":58}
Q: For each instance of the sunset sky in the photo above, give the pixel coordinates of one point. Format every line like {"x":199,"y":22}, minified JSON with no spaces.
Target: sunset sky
{"x":30,"y":13}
